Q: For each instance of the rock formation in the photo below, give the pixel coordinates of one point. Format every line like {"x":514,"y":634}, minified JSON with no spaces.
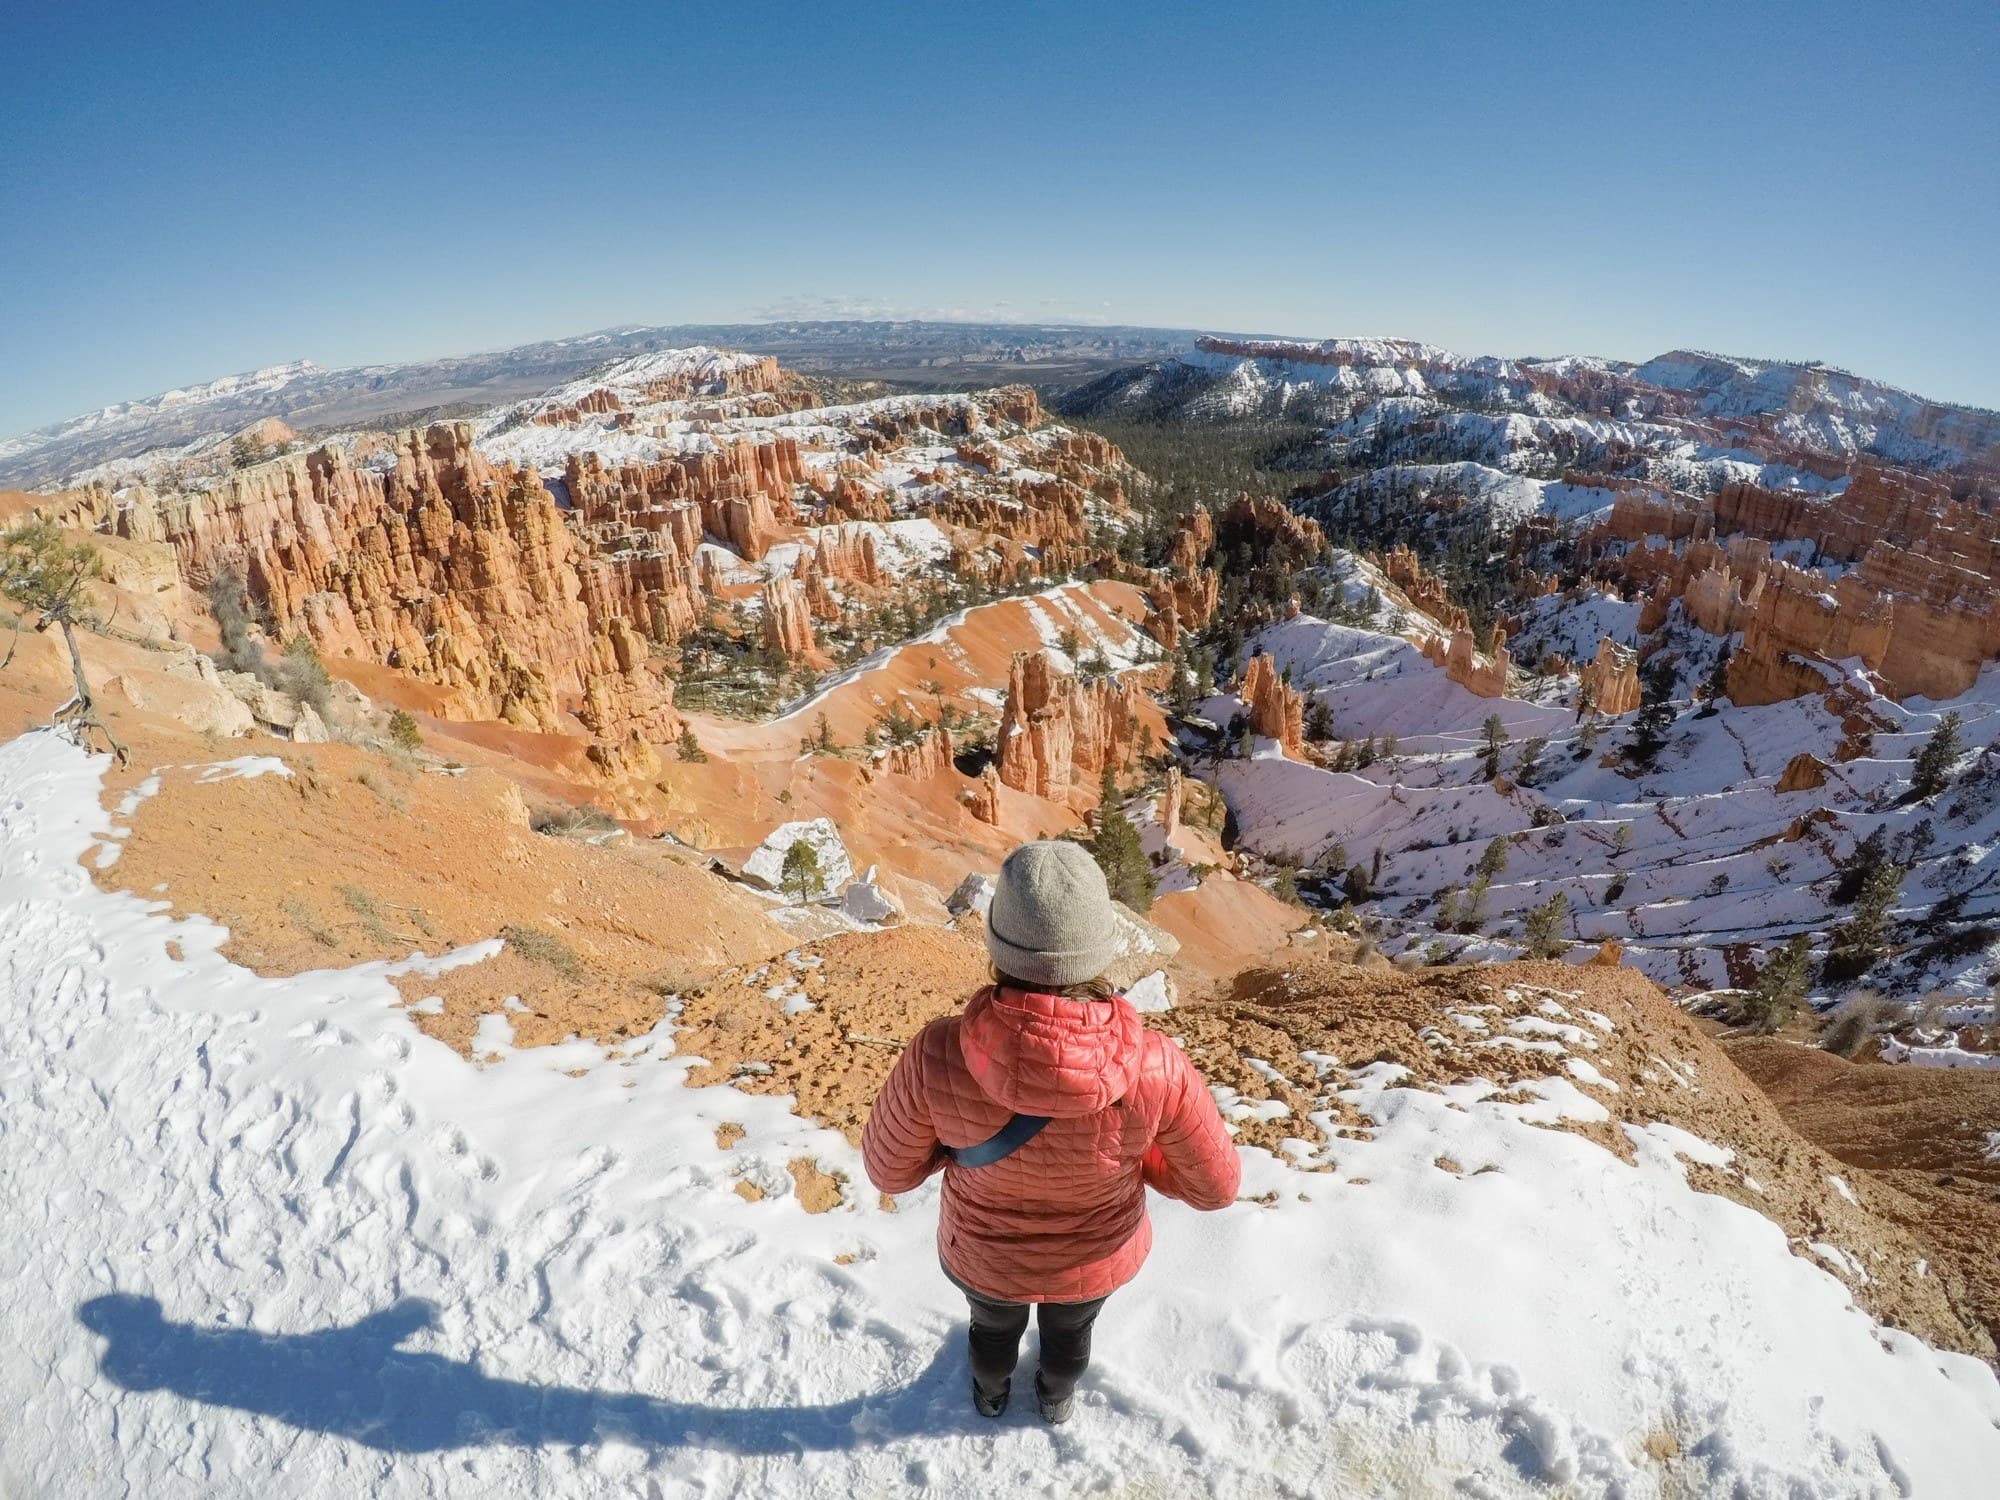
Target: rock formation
{"x":848,"y":553}
{"x":1184,"y":594}
{"x":928,"y":757}
{"x":787,"y":618}
{"x":1804,"y":772}
{"x":1912,"y":585}
{"x":983,"y":801}
{"x":1056,"y":733}
{"x":1277,"y":711}
{"x":1609,"y":682}
{"x":1484,"y":675}
{"x":1425,"y":591}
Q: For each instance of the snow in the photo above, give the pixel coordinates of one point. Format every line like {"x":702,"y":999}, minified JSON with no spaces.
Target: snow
{"x":1151,"y":992}
{"x":248,"y":767}
{"x":1936,"y":1057}
{"x":1505,"y":497}
{"x":1675,"y":864}
{"x":265,"y":1237}
{"x":766,"y":862}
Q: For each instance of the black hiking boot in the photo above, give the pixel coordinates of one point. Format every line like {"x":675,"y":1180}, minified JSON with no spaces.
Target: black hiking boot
{"x":991,"y":1406}
{"x":1055,"y":1412}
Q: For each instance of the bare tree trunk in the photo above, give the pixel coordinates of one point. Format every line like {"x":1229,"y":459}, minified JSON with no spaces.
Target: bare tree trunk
{"x":81,"y":711}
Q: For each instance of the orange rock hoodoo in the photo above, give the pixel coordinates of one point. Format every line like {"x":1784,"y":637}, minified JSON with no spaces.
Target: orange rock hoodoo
{"x":1485,"y":675}
{"x":1424,"y":590}
{"x":928,"y":757}
{"x":1056,"y":733}
{"x":787,"y":618}
{"x":1184,"y":597}
{"x":1803,"y":773}
{"x":1277,"y":711}
{"x":983,"y":801}
{"x":1609,"y":682}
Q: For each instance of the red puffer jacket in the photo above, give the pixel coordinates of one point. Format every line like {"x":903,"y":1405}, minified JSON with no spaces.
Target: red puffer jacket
{"x":1063,"y":1219}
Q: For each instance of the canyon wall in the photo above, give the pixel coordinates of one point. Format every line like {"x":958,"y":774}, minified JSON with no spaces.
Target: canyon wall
{"x":1896,"y":573}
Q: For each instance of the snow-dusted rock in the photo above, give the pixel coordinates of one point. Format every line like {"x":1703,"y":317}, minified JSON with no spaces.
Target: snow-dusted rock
{"x":766,"y":863}
{"x":865,"y":901}
{"x":974,"y":894}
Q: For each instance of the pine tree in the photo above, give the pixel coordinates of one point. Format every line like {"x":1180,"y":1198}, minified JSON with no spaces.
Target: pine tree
{"x":1116,"y":848}
{"x":1862,"y":862}
{"x":1932,"y":772}
{"x":1716,"y":685}
{"x":1541,"y":929}
{"x":1285,"y":885}
{"x":1447,"y":914}
{"x":403,"y":731}
{"x":1319,"y":722}
{"x":1493,"y":858}
{"x":1472,"y":911}
{"x":799,"y":877}
{"x":1528,"y":763}
{"x":1781,"y":984}
{"x":1864,"y":937}
{"x":1493,"y":735}
{"x":44,"y":573}
{"x":1655,"y":716}
{"x":690,"y":747}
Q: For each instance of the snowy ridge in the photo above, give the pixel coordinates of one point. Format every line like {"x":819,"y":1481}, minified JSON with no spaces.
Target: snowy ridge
{"x":265,"y":1228}
{"x":629,"y":379}
{"x":135,"y":414}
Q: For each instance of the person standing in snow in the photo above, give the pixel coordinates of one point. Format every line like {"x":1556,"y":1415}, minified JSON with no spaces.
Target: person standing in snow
{"x":1050,"y":1109}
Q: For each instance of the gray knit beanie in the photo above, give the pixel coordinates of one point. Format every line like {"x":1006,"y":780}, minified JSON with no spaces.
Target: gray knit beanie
{"x":1051,"y":920}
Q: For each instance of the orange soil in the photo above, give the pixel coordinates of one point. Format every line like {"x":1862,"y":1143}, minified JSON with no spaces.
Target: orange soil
{"x":1920,"y":1133}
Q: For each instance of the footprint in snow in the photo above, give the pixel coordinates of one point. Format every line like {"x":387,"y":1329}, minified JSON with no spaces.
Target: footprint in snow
{"x":380,"y":1086}
{"x":319,"y":1035}
{"x":395,"y":1048}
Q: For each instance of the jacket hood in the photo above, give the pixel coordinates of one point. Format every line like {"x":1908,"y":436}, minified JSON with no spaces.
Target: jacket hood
{"x":1047,"y":1055}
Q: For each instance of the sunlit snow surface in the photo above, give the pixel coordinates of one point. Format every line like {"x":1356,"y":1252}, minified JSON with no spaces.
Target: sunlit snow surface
{"x":261,"y":1237}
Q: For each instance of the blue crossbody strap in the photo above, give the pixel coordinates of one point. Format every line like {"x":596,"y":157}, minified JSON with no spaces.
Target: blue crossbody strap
{"x":1010,"y":1138}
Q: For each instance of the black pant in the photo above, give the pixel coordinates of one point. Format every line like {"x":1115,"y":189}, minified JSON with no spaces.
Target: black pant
{"x":993,"y":1344}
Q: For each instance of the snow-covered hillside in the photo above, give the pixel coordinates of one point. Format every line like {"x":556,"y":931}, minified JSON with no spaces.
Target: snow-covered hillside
{"x":1683,"y":864}
{"x":264,"y":1237}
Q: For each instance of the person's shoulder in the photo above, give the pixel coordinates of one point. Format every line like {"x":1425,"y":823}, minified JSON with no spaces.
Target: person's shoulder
{"x":936,"y":1038}
{"x":1163,"y":1065}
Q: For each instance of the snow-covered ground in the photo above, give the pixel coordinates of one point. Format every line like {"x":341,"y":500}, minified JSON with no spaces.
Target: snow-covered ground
{"x":264,"y":1237}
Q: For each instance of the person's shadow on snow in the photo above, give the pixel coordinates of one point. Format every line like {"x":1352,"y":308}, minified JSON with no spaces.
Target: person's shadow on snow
{"x":356,"y":1383}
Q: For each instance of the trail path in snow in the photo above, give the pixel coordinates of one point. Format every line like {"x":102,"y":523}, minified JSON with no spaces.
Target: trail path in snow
{"x":263,"y":1237}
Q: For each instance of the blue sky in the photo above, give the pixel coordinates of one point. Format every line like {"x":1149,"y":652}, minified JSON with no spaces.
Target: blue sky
{"x":190,"y":191}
